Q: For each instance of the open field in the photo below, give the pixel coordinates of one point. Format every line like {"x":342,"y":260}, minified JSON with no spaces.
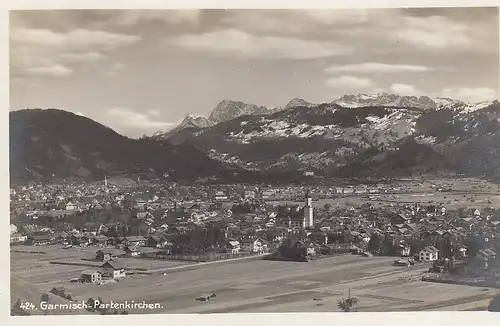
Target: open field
{"x":273,"y":286}
{"x":415,"y":191}
{"x":484,"y":194}
{"x":449,"y":200}
{"x":36,"y":268}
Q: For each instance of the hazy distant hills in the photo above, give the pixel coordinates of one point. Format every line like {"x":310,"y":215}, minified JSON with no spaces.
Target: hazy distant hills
{"x":397,"y":136}
{"x":53,"y":143}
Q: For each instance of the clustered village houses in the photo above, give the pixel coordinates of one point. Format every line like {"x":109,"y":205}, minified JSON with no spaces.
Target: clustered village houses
{"x":168,"y":222}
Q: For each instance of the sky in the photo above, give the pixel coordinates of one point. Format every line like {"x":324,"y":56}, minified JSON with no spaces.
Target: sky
{"x":142,"y":71}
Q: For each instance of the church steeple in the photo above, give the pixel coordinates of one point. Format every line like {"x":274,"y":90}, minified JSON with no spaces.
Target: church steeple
{"x":308,"y":198}
{"x":308,"y":210}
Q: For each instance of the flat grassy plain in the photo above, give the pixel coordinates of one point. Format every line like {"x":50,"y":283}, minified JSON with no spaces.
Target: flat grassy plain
{"x":256,"y":285}
{"x":464,"y":193}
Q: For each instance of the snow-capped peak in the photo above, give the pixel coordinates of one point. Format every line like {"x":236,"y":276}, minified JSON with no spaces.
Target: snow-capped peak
{"x":193,"y":116}
{"x":385,"y":99}
{"x":194,"y":120}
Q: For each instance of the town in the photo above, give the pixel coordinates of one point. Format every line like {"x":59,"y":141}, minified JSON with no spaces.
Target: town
{"x":120,"y":233}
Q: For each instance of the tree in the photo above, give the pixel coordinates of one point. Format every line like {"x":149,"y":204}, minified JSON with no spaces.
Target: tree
{"x":375,"y":243}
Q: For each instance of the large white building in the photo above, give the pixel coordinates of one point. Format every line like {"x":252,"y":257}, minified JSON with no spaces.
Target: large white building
{"x":429,"y":253}
{"x":298,"y":217}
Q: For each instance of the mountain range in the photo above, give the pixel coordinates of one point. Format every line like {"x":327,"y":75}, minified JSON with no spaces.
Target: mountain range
{"x":394,"y":134}
{"x":227,"y":109}
{"x":224,"y":111}
{"x":362,"y":135}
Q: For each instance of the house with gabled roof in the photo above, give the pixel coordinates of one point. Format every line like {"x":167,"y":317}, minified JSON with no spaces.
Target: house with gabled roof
{"x":91,"y":276}
{"x":255,"y":245}
{"x":429,"y":253}
{"x":233,"y":246}
{"x":106,"y":254}
{"x":135,"y":240}
{"x":70,"y":206}
{"x":113,"y":269}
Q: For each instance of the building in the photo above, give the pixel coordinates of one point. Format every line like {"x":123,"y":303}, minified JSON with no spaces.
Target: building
{"x":38,"y":240}
{"x":154,"y":241}
{"x":100,"y":240}
{"x":233,"y":246}
{"x":71,"y":206}
{"x":17,"y":238}
{"x":429,"y":253}
{"x":291,"y":216}
{"x":295,"y":217}
{"x":348,"y":191}
{"x":361,"y":191}
{"x":249,"y":194}
{"x":403,"y":251}
{"x":135,"y":240}
{"x":107,"y":254}
{"x":113,"y":269}
{"x":308,"y":212}
{"x":220,"y":195}
{"x":91,"y":276}
{"x":255,"y":245}
{"x":267,"y":194}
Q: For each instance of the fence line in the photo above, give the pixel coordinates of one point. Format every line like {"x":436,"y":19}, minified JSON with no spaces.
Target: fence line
{"x":198,"y":258}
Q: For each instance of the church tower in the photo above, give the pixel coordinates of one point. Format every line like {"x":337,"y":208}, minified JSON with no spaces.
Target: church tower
{"x":308,"y":211}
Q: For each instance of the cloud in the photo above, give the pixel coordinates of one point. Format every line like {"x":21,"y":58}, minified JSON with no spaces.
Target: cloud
{"x":153,"y":112}
{"x":82,"y":57}
{"x":76,"y":39}
{"x":467,"y":94}
{"x":301,"y":22}
{"x":126,"y":118}
{"x":350,"y":82}
{"x":54,"y":71}
{"x":374,"y":67}
{"x":404,"y":89}
{"x":133,"y":17}
{"x":236,"y":43}
{"x":433,"y":32}
{"x":43,"y":52}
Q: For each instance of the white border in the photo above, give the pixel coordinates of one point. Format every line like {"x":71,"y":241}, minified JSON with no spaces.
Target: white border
{"x":242,"y":4}
{"x":372,"y":319}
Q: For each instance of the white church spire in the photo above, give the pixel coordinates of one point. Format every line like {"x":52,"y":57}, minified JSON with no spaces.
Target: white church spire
{"x":308,"y":211}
